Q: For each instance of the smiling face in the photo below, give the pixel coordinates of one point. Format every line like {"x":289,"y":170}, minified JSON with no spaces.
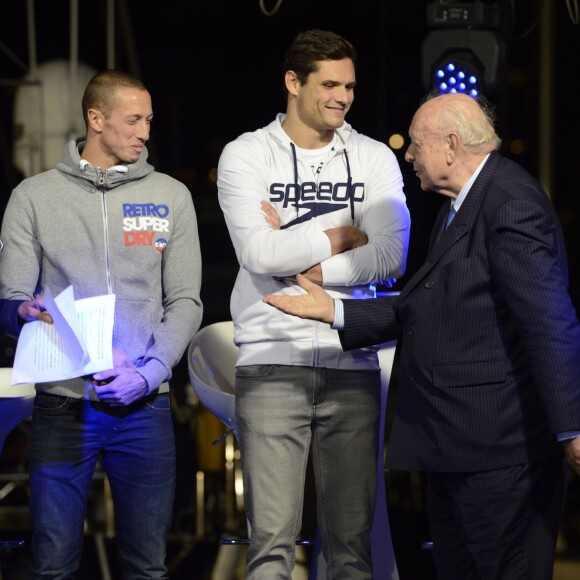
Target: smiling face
{"x":123,"y":133}
{"x":319,"y":106}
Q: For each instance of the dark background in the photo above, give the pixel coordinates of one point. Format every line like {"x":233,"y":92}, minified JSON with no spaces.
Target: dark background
{"x":214,"y":71}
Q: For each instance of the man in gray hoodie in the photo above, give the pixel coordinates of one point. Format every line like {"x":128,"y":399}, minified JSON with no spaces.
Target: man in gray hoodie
{"x":105,"y":222}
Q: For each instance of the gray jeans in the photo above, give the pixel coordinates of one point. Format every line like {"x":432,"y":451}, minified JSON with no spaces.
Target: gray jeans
{"x":283,"y":411}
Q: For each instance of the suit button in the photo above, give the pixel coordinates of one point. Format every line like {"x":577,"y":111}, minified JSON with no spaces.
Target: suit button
{"x":412,"y":377}
{"x":429,"y":284}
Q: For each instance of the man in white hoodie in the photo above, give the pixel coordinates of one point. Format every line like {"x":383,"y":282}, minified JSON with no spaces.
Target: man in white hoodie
{"x":308,"y":194}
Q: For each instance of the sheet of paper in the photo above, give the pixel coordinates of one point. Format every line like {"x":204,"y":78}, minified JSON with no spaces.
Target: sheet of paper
{"x":96,"y":316}
{"x":64,"y":315}
{"x":78,"y":343}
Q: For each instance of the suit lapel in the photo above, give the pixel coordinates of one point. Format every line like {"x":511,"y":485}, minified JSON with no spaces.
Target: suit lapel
{"x":460,"y":226}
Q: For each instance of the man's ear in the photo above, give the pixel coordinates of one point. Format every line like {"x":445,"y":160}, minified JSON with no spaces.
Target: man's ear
{"x":292,"y":82}
{"x":452,"y":147}
{"x":95,"y":119}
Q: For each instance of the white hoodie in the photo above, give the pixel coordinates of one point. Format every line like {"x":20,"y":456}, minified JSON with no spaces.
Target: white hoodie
{"x":359,"y":184}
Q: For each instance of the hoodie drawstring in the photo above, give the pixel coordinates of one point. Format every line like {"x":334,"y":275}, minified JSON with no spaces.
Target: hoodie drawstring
{"x":295,"y":161}
{"x":348,"y":181}
{"x":349,"y":186}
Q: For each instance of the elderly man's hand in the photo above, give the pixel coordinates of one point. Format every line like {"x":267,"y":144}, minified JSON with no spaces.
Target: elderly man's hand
{"x":316,"y":304}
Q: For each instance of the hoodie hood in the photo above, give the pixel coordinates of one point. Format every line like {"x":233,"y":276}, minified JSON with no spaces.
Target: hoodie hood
{"x":91,"y":178}
{"x":275,"y":129}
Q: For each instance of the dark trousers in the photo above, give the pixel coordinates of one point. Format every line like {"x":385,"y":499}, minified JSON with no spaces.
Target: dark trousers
{"x":497,"y":525}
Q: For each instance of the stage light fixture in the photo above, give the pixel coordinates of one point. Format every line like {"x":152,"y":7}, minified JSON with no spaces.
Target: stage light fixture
{"x":458,"y":74}
{"x":465,"y":52}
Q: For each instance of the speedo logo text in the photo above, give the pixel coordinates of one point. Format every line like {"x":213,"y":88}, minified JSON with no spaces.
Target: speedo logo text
{"x":318,"y":199}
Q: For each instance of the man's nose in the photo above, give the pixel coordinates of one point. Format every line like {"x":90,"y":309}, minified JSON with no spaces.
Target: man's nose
{"x":143,"y":130}
{"x":342,"y":95}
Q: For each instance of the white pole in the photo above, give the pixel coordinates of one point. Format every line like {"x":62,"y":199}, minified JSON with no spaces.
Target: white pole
{"x":74,"y":65}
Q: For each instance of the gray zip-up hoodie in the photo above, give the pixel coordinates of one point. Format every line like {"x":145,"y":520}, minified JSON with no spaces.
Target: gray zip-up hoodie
{"x":130,"y":231}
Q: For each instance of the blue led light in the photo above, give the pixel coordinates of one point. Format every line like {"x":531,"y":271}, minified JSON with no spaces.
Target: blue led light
{"x":457,"y":77}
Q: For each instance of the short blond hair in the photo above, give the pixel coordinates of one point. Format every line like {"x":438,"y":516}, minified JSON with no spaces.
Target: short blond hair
{"x":100,"y":92}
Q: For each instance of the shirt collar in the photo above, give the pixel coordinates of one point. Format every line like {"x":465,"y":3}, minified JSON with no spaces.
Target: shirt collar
{"x":456,"y":203}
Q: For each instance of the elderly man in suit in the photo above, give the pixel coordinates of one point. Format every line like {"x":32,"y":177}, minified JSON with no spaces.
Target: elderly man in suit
{"x":489,"y":396}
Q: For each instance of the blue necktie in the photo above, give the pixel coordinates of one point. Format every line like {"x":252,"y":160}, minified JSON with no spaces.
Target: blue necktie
{"x":450,"y":217}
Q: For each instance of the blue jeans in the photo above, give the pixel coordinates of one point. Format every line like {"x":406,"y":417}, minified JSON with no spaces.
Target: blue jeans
{"x":283,"y":411}
{"x":136,"y":447}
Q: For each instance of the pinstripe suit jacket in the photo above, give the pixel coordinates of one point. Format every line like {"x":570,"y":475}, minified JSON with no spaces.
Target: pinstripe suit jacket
{"x":489,"y":338}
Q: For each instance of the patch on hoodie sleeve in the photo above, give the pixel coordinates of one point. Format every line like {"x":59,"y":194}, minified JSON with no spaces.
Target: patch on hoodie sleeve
{"x":1,"y":245}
